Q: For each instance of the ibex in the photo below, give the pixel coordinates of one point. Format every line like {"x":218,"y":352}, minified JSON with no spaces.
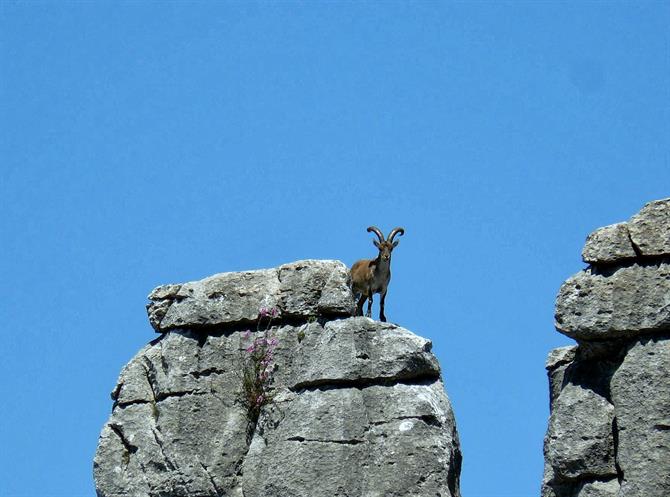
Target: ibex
{"x":373,"y":276}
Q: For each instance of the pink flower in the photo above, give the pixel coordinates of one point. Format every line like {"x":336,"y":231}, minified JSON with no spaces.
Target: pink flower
{"x":271,"y":312}
{"x":246,"y":334}
{"x":251,"y":348}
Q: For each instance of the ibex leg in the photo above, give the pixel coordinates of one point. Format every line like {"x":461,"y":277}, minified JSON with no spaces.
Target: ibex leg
{"x":359,"y":306}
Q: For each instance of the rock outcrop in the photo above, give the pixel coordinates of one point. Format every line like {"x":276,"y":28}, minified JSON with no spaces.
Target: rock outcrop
{"x":358,"y":406}
{"x":609,"y":429}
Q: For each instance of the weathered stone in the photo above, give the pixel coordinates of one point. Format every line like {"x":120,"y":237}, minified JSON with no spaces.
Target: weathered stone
{"x":641,"y":395}
{"x":580,"y":441}
{"x":609,"y":244}
{"x":560,"y":357}
{"x":221,"y":299}
{"x":650,"y":228}
{"x":397,"y":441}
{"x":298,"y":290}
{"x":557,"y":363}
{"x":360,"y":350}
{"x":599,"y":489}
{"x":617,"y":379}
{"x":548,"y":488}
{"x":623,"y":303}
{"x":359,"y":410}
{"x":133,"y":385}
{"x":315,"y":288}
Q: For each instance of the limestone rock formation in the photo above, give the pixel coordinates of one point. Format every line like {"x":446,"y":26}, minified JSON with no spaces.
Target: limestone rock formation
{"x":359,"y":407}
{"x":609,"y":429}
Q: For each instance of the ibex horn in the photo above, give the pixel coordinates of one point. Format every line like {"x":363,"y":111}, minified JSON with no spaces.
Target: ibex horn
{"x":396,"y":231}
{"x":377,"y":232}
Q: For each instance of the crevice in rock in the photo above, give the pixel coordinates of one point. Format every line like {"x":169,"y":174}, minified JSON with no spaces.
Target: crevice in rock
{"x":202,"y":331}
{"x":615,"y":440}
{"x":582,"y":479}
{"x":156,"y":341}
{"x":619,"y":345}
{"x":239,"y":464}
{"x":609,"y":268}
{"x":165,"y":366}
{"x":426,"y":378}
{"x":636,"y":248}
{"x":166,"y":395}
{"x":150,"y":373}
{"x":123,"y":405}
{"x":211,"y":479}
{"x":128,"y":447}
{"x":428,"y":419}
{"x":156,"y":432}
{"x":342,"y":442}
{"x":206,"y":372}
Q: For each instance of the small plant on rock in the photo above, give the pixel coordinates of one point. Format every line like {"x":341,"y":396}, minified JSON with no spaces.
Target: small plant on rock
{"x":258,"y":366}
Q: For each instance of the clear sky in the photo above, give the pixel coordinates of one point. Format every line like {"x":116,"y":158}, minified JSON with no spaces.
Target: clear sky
{"x":146,"y":143}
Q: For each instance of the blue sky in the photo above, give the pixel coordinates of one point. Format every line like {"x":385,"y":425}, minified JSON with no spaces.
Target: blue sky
{"x":144,"y":143}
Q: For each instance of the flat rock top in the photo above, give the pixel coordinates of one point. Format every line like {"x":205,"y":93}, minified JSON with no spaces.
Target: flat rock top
{"x":301,"y":289}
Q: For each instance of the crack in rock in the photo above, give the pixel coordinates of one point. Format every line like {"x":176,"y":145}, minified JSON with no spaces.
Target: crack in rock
{"x":343,"y":442}
{"x":211,"y":479}
{"x":361,"y":383}
{"x":129,"y":448}
{"x":158,"y":437}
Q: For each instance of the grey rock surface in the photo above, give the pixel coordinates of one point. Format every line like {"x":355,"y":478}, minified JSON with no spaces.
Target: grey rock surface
{"x":556,"y":365}
{"x":608,"y":244}
{"x":580,"y":441}
{"x":397,"y":440}
{"x":646,"y":234}
{"x":599,"y":489}
{"x":641,"y":394}
{"x":650,"y":228}
{"x":609,"y":428}
{"x":298,"y":290}
{"x":623,"y":303}
{"x":580,"y":446}
{"x":359,"y":406}
{"x":560,"y":357}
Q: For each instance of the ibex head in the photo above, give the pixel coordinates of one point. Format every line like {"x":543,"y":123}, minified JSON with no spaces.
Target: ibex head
{"x":386,"y":246}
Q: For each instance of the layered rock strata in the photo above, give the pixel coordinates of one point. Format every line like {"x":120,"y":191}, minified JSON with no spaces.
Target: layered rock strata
{"x":359,"y":407}
{"x":609,"y":429}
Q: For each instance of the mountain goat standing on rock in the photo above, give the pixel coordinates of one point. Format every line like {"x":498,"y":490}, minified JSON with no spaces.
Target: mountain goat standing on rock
{"x":370,"y":276}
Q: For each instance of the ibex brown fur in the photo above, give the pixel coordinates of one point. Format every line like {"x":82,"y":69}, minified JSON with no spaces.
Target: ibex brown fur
{"x":370,"y":276}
